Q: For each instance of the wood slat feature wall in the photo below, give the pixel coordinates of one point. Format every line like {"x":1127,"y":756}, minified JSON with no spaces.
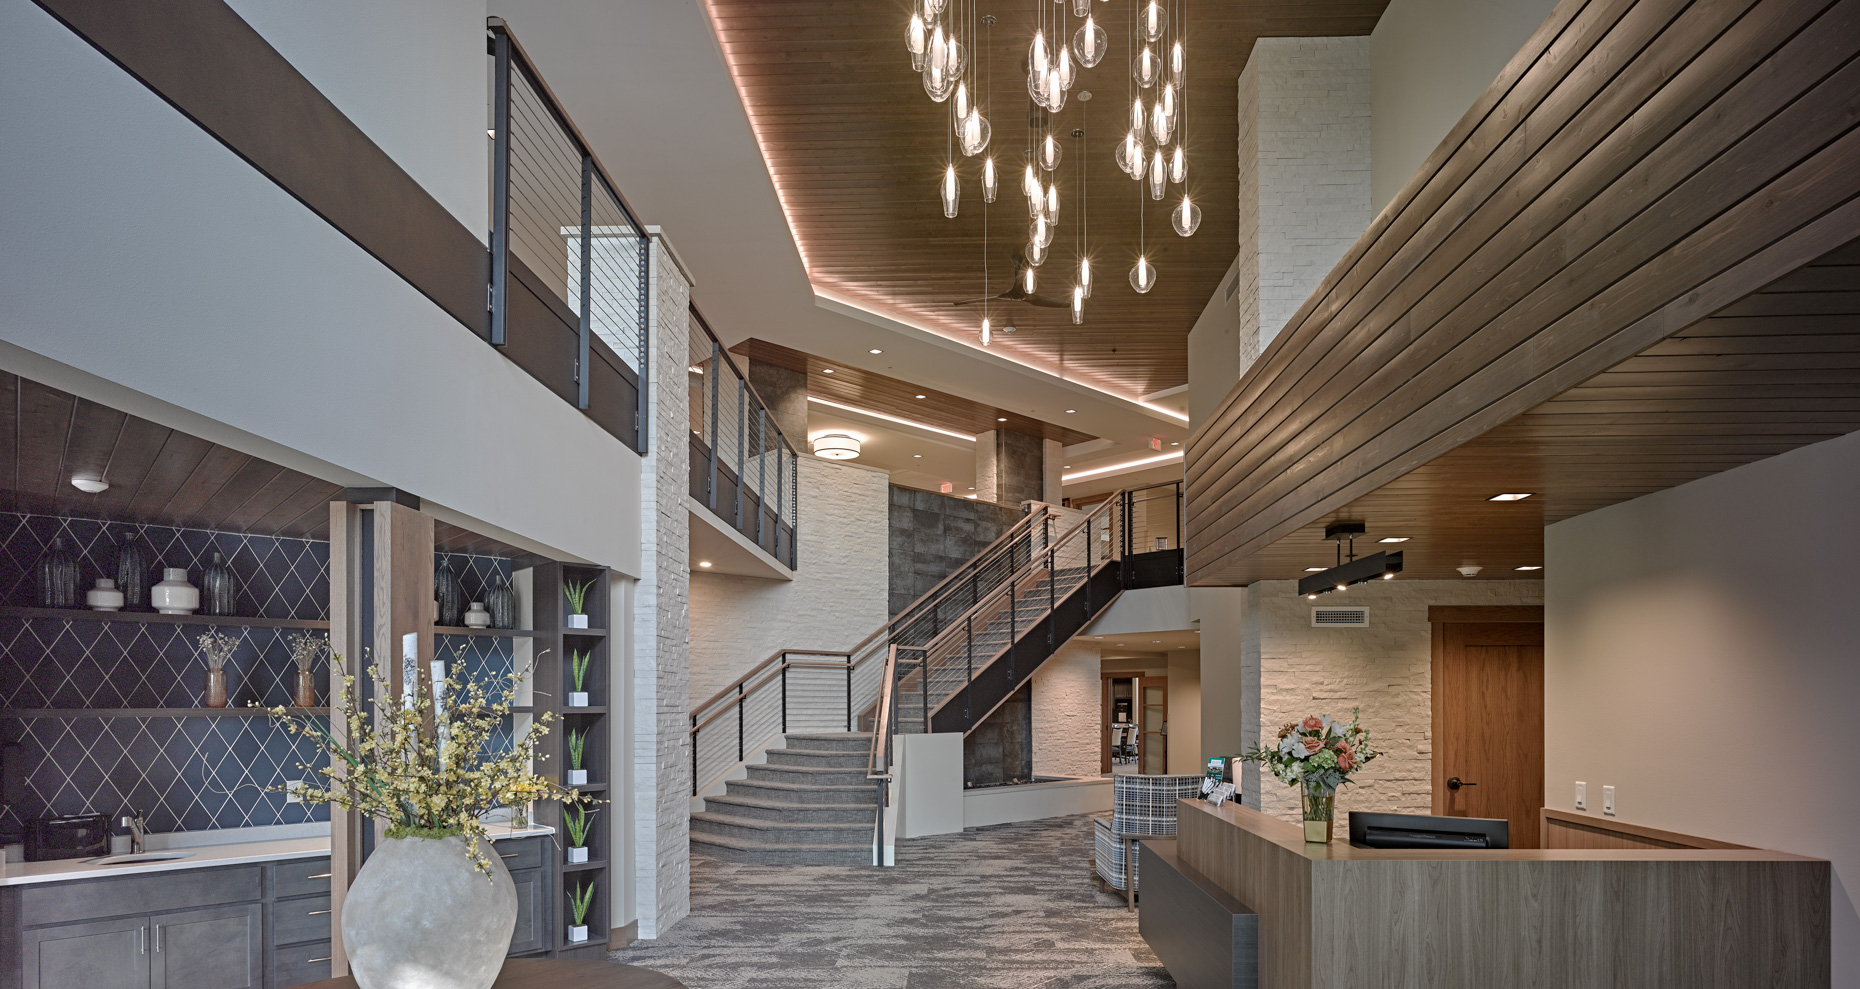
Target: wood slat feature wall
{"x":856,"y":150}
{"x":892,"y":396}
{"x":1639,"y":166}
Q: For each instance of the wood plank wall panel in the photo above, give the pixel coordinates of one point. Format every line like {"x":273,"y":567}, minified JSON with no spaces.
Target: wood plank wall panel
{"x":1562,"y":829}
{"x":855,"y":149}
{"x":1639,"y":165}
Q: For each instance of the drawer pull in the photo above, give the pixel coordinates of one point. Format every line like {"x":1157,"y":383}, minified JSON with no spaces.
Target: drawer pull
{"x":320,"y":875}
{"x":316,"y":913}
{"x":508,"y":855}
{"x":313,"y":961}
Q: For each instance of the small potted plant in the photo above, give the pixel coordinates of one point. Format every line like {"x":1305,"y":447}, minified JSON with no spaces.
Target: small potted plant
{"x":577,"y":743}
{"x":578,"y":661}
{"x":306,"y":649}
{"x":579,"y":900}
{"x":577,"y":595}
{"x":580,"y":823}
{"x":216,"y":647}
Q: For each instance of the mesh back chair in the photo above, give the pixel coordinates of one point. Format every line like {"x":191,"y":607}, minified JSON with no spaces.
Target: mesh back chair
{"x":1143,"y":807}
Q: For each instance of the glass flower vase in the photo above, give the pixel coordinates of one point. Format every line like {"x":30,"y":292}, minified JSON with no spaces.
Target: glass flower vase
{"x":1320,"y":804}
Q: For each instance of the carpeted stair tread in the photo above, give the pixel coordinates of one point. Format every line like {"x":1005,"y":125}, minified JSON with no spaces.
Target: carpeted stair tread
{"x":777,"y":827}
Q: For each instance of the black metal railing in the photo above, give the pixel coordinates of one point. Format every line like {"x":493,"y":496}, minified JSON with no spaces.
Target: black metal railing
{"x":570,"y":263}
{"x":743,"y":467}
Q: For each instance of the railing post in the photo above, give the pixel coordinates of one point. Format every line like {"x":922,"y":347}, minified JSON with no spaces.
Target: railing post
{"x":1088,"y":571}
{"x":968,"y":653}
{"x":762,"y":470}
{"x":739,"y":722}
{"x":923,"y":676}
{"x":1181,"y":537}
{"x":710,"y":428}
{"x":587,"y":278}
{"x":695,"y":730}
{"x":500,"y":187}
{"x":1052,"y":599}
{"x":642,"y":413}
{"x":742,"y":431}
{"x":1012,"y":636}
{"x":849,"y":668}
{"x":784,"y":693}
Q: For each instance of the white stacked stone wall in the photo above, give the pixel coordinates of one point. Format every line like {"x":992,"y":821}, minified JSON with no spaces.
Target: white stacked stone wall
{"x":1385,"y":669}
{"x":661,"y":623}
{"x":1067,"y":710}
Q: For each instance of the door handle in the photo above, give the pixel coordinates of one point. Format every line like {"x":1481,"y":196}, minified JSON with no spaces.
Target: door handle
{"x":313,"y":961}
{"x":317,"y":913}
{"x":1454,"y":783}
{"x":320,"y":875}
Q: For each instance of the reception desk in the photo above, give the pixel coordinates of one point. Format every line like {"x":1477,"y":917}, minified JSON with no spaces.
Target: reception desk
{"x":1333,"y":916}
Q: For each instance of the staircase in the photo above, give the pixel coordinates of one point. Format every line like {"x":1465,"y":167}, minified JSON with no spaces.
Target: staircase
{"x":809,"y":804}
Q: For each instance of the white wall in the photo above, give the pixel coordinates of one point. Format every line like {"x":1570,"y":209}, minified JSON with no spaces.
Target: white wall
{"x":838,"y":595}
{"x":1700,"y":657}
{"x":1185,"y":755}
{"x":1214,"y":348}
{"x":1220,"y":614}
{"x":154,"y":271}
{"x":1431,"y":59}
{"x":1068,"y":703}
{"x":1385,"y":669}
{"x":412,"y":74}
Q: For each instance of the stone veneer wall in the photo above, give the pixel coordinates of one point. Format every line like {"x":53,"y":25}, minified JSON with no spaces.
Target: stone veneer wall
{"x":932,"y":534}
{"x":1067,"y":708}
{"x":837,"y":596}
{"x":1291,"y":669}
{"x":660,"y":718}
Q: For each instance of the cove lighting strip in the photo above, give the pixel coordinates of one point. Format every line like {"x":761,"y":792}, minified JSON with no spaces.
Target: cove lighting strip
{"x":1116,"y":468}
{"x":965,"y":437}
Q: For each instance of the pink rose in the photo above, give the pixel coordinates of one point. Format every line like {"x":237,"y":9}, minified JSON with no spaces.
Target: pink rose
{"x":1312,"y":745}
{"x":1313,"y":723}
{"x":1346,"y":761}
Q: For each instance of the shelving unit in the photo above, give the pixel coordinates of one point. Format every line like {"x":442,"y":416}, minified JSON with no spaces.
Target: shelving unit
{"x":489,"y":633}
{"x":154,"y":712}
{"x":553,"y":680}
{"x":153,"y":618}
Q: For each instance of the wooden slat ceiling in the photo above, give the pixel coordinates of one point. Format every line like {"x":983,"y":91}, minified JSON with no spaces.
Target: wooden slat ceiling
{"x":160,"y":476}
{"x":879,"y":393}
{"x":856,"y":150}
{"x":1777,"y":370}
{"x":1639,"y":166}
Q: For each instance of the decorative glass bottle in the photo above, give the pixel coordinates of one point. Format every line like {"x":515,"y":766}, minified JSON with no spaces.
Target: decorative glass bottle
{"x":448,"y":596}
{"x":501,"y":602}
{"x":58,"y":577}
{"x":219,"y":588}
{"x":132,"y":573}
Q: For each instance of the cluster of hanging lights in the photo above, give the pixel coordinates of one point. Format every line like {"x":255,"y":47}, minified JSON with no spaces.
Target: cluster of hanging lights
{"x":940,"y":38}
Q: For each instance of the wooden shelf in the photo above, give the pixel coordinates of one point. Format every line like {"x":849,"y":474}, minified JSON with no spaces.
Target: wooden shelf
{"x":587,"y":866}
{"x":489,"y":633}
{"x":154,"y":712}
{"x":588,"y":709}
{"x":588,"y":788}
{"x":586,"y":633}
{"x":153,"y":618}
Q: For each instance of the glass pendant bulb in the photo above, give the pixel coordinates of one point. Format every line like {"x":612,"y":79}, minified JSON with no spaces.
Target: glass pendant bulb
{"x":962,"y":103}
{"x":1130,"y":155}
{"x":1162,"y":126}
{"x":1154,"y":21}
{"x":917,"y":62}
{"x":1085,"y":276}
{"x":1178,"y":62}
{"x":985,"y":333}
{"x":1159,"y":176}
{"x":1178,"y":165}
{"x":991,"y":183}
{"x":1147,"y":68}
{"x":1136,"y":120}
{"x":1036,"y":255}
{"x":934,"y":7}
{"x":951,"y":191}
{"x":1089,"y":43}
{"x":1078,"y":304}
{"x":914,"y":36}
{"x":1030,"y":184}
{"x":1186,"y":217}
{"x":1167,"y":100}
{"x":1064,"y":65}
{"x":974,"y":132}
{"x":1081,"y":8}
{"x":1050,"y":152}
{"x":1037,"y":54}
{"x":1142,"y":275}
{"x":1040,"y":232}
{"x":1052,"y":202}
{"x":1027,"y":280}
{"x":1055,"y":91}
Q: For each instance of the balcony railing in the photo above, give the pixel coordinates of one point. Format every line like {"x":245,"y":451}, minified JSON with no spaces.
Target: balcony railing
{"x":742,"y":466}
{"x":569,"y":261}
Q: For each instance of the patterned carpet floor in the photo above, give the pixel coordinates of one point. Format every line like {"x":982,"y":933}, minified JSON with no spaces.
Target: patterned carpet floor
{"x":1006,"y":907}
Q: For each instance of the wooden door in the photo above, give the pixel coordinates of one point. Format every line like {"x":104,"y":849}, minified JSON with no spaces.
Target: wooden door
{"x":108,"y":954}
{"x":1153,"y":726}
{"x":1489,"y":720}
{"x":215,"y":948}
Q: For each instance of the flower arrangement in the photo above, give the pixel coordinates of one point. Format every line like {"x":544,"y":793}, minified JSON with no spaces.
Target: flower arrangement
{"x":427,"y":765}
{"x":306,"y":649}
{"x":1317,"y":752}
{"x":216,"y":647}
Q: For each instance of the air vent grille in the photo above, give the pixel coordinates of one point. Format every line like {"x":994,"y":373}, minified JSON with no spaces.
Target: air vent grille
{"x":1339,"y":617}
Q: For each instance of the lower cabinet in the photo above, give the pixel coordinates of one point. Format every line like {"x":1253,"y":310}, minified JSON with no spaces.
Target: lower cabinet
{"x":532,"y":932}
{"x":107,"y":954}
{"x":213,"y":948}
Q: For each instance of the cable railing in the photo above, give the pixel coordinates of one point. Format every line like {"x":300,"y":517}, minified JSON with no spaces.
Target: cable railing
{"x":569,"y":260}
{"x":743,"y":468}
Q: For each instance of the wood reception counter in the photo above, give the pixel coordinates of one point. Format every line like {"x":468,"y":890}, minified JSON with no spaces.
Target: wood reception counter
{"x":1334,"y":916}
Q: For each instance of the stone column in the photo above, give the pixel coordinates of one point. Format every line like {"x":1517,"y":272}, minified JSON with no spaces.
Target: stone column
{"x":785,"y":392}
{"x":1304,"y":175}
{"x":1010,"y":467}
{"x":660,"y":718}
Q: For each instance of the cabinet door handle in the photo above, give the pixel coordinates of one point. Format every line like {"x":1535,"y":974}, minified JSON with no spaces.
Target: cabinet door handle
{"x":144,"y":931}
{"x":320,"y":875}
{"x":158,"y":938}
{"x":316,"y":913}
{"x":313,"y":961}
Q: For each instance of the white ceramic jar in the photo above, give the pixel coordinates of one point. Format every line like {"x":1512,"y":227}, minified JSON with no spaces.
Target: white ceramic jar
{"x":106,"y":597}
{"x":174,"y":595}
{"x":476,"y":616}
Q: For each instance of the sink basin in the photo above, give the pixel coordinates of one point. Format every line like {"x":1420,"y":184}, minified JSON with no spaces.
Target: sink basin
{"x":139,"y":857}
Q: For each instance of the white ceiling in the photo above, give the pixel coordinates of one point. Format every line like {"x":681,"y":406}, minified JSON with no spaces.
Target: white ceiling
{"x":647,"y":83}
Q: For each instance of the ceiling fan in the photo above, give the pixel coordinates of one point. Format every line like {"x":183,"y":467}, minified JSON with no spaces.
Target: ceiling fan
{"x":1016,"y":293}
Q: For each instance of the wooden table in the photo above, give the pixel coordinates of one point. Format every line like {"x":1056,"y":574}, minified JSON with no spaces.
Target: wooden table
{"x":554,"y":973}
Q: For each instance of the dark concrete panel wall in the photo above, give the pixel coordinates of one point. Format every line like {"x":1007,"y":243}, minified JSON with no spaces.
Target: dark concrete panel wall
{"x":1020,"y":472}
{"x":1000,"y":749}
{"x":931,"y":535}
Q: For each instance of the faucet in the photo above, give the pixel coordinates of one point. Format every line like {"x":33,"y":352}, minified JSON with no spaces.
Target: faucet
{"x":137,"y":832}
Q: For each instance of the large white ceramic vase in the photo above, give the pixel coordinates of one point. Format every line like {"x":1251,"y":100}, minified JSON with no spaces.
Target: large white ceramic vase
{"x":421,"y":916}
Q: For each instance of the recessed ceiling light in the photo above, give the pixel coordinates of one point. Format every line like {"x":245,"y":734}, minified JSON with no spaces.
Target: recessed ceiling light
{"x":703,"y":563}
{"x":1510,"y":497}
{"x":920,"y":396}
{"x":90,"y":485}
{"x":1002,"y":419}
{"x":1530,"y":568}
{"x":1070,"y":411}
{"x":1394,"y":539}
{"x":1066,"y":467}
{"x":917,"y":456}
{"x":1175,"y":444}
{"x":1315,"y":569}
{"x":1157,"y":641}
{"x":969,"y":496}
{"x":875,"y":350}
{"x":826,"y":370}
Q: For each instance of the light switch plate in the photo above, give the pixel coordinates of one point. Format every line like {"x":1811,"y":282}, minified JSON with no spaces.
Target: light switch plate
{"x":1608,"y":800}
{"x":1582,"y":795}
{"x":291,"y":788}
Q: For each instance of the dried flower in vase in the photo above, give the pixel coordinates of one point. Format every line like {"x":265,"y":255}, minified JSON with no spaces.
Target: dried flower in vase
{"x":306,"y":649}
{"x":217,"y":647}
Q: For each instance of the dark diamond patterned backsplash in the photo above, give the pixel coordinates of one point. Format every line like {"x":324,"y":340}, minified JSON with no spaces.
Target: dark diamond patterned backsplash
{"x":184,"y":773}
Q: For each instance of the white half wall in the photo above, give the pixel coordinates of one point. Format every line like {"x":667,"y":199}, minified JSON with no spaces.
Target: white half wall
{"x":1700,"y":658}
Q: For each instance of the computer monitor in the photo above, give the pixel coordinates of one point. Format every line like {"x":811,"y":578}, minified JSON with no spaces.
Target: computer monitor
{"x":1419,"y":831}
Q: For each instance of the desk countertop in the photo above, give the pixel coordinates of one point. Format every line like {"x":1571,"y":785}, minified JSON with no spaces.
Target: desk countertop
{"x":204,"y":857}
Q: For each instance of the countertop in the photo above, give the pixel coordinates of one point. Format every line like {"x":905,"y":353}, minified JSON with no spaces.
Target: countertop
{"x":206,"y":857}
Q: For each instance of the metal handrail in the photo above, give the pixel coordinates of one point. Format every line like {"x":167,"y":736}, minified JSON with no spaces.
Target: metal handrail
{"x":779,"y":653}
{"x":740,"y":374}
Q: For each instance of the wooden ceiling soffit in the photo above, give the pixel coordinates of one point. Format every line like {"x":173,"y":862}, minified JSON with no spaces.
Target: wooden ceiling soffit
{"x":894,"y":397}
{"x":1637,"y":167}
